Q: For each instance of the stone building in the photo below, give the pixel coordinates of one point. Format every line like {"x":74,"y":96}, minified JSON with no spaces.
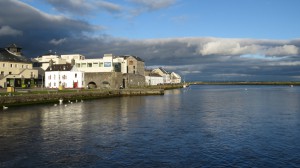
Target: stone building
{"x":15,"y":69}
{"x":133,"y":70}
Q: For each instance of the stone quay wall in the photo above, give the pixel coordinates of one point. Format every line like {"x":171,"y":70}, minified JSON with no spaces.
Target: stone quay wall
{"x":54,"y":97}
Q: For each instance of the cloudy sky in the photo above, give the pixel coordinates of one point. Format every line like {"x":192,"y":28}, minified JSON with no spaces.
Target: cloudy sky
{"x":203,"y":40}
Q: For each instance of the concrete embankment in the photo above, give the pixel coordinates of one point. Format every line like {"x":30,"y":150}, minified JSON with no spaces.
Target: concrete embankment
{"x":15,"y":100}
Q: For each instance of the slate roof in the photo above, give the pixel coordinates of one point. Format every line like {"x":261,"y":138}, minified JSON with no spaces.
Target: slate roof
{"x":164,"y":71}
{"x":60,"y":67}
{"x":137,"y":58}
{"x":6,"y":56}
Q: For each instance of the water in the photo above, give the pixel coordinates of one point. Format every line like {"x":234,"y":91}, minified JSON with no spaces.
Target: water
{"x":201,"y":126}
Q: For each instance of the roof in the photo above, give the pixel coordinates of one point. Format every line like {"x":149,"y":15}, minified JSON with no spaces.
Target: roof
{"x":60,"y":67}
{"x":154,"y":75}
{"x":127,"y":56}
{"x":7,"y":56}
{"x":163,"y":70}
{"x":176,"y":75}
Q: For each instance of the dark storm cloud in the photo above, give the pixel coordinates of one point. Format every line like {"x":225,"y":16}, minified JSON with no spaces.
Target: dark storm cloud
{"x":195,"y":58}
{"x":34,"y":30}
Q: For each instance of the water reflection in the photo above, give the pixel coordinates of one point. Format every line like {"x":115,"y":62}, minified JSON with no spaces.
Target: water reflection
{"x":213,"y":126}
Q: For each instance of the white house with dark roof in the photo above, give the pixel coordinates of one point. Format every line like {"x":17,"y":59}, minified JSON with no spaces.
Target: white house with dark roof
{"x":168,"y":77}
{"x":64,"y":75}
{"x":153,"y":78}
{"x":175,"y":78}
{"x":15,"y":69}
{"x":165,"y":74}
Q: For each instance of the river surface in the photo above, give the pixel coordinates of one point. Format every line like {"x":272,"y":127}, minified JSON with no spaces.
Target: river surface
{"x":199,"y":126}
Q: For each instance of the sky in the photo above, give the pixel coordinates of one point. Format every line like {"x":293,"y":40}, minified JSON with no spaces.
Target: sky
{"x":202,"y":40}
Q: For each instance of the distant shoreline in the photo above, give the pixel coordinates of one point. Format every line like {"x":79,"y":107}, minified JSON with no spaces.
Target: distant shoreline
{"x":244,"y":83}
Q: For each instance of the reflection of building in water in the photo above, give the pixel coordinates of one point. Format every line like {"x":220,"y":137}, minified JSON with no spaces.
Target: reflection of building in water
{"x":63,"y":121}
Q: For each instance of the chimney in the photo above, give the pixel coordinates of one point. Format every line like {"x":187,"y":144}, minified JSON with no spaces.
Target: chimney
{"x":73,"y":62}
{"x":50,"y":63}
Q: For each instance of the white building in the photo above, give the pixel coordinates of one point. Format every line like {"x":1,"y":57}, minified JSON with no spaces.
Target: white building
{"x":104,"y":64}
{"x":175,"y":78}
{"x":71,"y":57}
{"x":43,"y":60}
{"x":154,"y":79}
{"x":165,"y":74}
{"x":64,"y":75}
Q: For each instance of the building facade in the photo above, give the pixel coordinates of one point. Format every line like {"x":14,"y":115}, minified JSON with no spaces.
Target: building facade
{"x":64,"y":75}
{"x":175,"y":78}
{"x":165,"y":74}
{"x":153,"y":78}
{"x":44,"y":60}
{"x":15,"y":69}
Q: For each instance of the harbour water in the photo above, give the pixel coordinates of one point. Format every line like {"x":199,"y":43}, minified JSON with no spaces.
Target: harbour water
{"x":199,"y":126}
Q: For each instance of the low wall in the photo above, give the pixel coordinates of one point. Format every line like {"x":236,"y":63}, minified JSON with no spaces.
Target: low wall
{"x":55,"y":96}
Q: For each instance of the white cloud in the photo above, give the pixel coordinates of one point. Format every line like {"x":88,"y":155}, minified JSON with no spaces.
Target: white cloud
{"x":8,"y":31}
{"x":57,"y":41}
{"x":110,"y":7}
{"x":285,"y":63}
{"x":84,"y":7}
{"x":246,"y":46}
{"x":154,"y":4}
{"x":282,"y":50}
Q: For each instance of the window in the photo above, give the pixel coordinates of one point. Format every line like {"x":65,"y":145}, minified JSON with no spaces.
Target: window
{"x":75,"y":75}
{"x":9,"y":73}
{"x":54,"y":77}
{"x":130,"y":62}
{"x":16,"y":65}
{"x":95,"y":64}
{"x":3,"y":65}
{"x":83,"y":65}
{"x":133,"y":67}
{"x":2,"y":72}
{"x":101,"y":64}
{"x":89,"y":64}
{"x":11,"y":65}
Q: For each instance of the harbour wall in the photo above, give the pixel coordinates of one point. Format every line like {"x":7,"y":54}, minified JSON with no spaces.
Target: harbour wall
{"x":16,"y":100}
